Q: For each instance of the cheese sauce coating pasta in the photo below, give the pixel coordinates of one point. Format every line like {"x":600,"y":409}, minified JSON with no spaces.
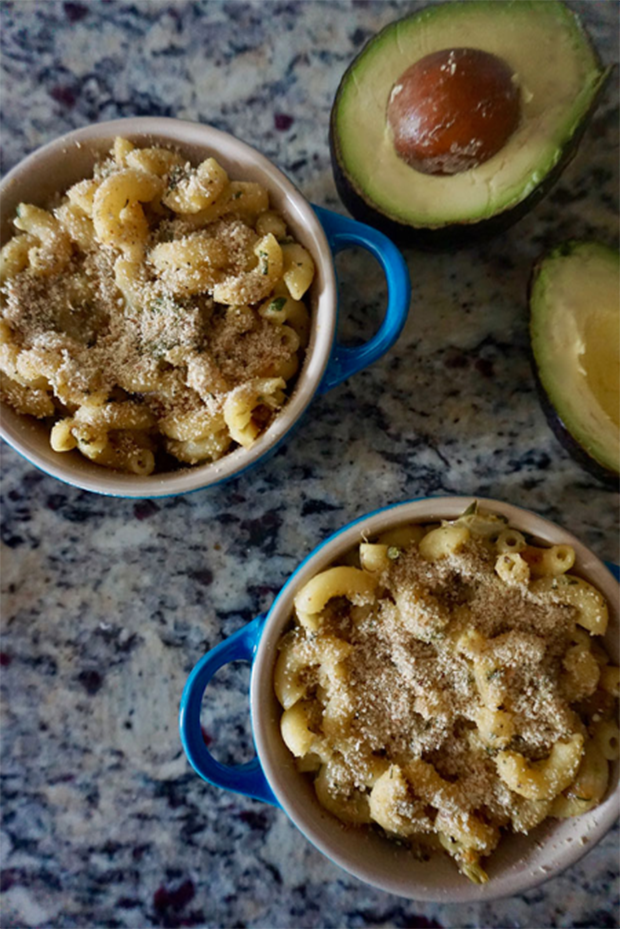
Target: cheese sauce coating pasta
{"x":446,"y":687}
{"x":154,"y":316}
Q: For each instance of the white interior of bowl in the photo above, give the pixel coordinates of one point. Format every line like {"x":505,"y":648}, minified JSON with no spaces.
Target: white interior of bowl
{"x":54,"y":168}
{"x":520,"y":862}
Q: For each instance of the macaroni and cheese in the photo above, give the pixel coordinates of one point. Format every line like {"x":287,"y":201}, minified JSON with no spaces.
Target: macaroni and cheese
{"x":154,"y":314}
{"x":447,"y":683}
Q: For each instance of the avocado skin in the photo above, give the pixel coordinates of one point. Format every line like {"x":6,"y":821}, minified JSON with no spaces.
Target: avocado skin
{"x":562,"y":433}
{"x":460,"y":234}
{"x":574,"y":449}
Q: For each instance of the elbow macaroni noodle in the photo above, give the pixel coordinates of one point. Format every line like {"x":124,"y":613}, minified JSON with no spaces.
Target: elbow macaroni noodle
{"x":155,"y":315}
{"x":432,"y":693}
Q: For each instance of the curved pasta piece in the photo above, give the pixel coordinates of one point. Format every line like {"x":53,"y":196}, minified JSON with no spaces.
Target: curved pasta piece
{"x":270,"y":222}
{"x":195,"y":424}
{"x":295,"y":728}
{"x":591,"y":606}
{"x":78,"y":226}
{"x":126,"y":414}
{"x":526,"y":814}
{"x":14,"y":256}
{"x":204,"y":375}
{"x":190,"y":265}
{"x":158,"y":161}
{"x":122,"y":453}
{"x":588,"y":787}
{"x":53,"y":250}
{"x":512,"y":568}
{"x":286,"y":368}
{"x":542,"y":780}
{"x":9,"y":352}
{"x":241,"y":403}
{"x":244,"y":199}
{"x":496,"y":727}
{"x":428,"y":784}
{"x":443,"y":541}
{"x":402,"y":536}
{"x":610,"y":680}
{"x":468,"y":830}
{"x":606,"y":735}
{"x":121,"y":150}
{"x":131,"y":279}
{"x":393,"y":806}
{"x":83,"y":193}
{"x":489,"y":678}
{"x":280,"y":309}
{"x":194,"y":189}
{"x":350,"y":809}
{"x":555,"y":560}
{"x":510,"y":541}
{"x":253,"y":286}
{"x":61,"y":436}
{"x":298,"y":269}
{"x":206,"y":448}
{"x":117,"y":215}
{"x":298,"y":658}
{"x":289,"y":684}
{"x":331,"y":654}
{"x":374,"y":557}
{"x":343,"y":581}
{"x":582,"y":673}
{"x":27,"y":400}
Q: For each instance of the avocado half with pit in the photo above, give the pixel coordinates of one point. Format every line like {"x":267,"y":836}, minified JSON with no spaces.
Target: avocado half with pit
{"x":506,"y":87}
{"x":575,"y":336}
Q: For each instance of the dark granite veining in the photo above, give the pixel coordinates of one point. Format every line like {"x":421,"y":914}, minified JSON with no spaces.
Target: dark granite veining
{"x":107,"y":603}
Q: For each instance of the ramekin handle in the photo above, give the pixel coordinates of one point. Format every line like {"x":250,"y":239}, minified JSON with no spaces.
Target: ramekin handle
{"x":614,"y":568}
{"x":343,"y":233}
{"x":247,"y":778}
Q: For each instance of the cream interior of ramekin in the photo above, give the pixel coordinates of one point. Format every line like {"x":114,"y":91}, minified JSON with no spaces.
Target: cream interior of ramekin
{"x":70,"y":158}
{"x":520,"y":862}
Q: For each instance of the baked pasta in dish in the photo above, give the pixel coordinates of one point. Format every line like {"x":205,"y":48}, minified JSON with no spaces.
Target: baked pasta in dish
{"x":154,"y":314}
{"x":448,"y":683}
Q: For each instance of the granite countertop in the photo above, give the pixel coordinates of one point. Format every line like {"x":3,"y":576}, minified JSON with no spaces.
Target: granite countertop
{"x":108,"y":603}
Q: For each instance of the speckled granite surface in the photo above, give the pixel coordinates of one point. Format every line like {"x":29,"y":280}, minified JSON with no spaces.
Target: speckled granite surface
{"x":107,"y":604}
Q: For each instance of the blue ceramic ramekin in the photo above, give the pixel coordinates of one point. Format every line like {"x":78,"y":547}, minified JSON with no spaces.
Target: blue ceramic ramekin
{"x":519,"y":863}
{"x":56,"y":166}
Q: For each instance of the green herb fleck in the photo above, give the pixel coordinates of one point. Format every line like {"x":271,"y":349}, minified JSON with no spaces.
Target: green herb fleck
{"x":175,"y":176}
{"x":276,"y":305}
{"x":471,"y":509}
{"x":393,"y":552}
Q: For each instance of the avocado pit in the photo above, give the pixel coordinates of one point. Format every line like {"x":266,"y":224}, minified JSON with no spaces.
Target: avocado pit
{"x":453,"y":110}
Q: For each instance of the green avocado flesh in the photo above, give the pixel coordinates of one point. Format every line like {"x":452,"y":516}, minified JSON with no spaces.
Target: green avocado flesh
{"x":575,"y":331}
{"x":559,"y":76}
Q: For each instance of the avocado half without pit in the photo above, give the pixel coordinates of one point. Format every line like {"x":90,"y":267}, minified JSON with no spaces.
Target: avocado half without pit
{"x":575,"y":335}
{"x":453,"y":122}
